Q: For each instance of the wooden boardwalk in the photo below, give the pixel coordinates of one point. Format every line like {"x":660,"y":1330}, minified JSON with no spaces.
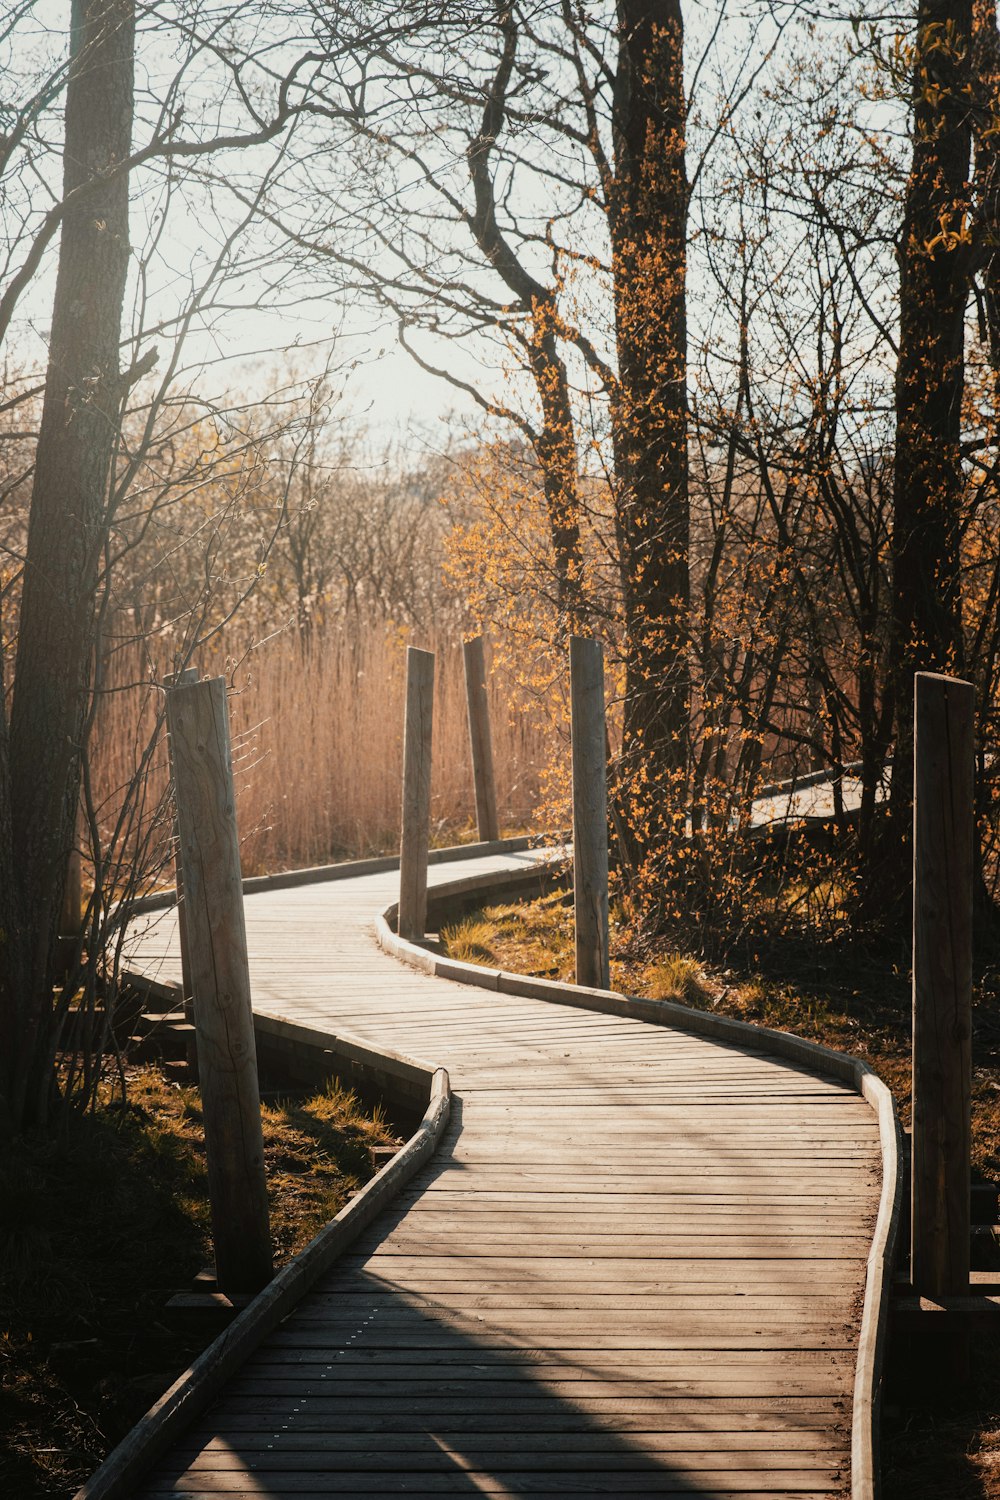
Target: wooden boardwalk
{"x":634,"y":1267}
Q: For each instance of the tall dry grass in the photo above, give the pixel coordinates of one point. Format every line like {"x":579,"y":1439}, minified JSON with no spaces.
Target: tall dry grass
{"x":317,"y":739}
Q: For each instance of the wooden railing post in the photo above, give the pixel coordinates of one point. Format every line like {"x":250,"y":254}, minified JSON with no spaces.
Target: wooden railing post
{"x":71,"y":921}
{"x":71,"y":913}
{"x":590,"y":812}
{"x":416,"y":822}
{"x":187,"y":674}
{"x":943,"y":833}
{"x":198,"y":724}
{"x":480,"y":740}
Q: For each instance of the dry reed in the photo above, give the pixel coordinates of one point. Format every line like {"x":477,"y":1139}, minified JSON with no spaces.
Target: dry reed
{"x":317,"y":737}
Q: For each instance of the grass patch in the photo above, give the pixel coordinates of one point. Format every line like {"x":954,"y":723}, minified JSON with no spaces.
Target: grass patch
{"x":101,"y":1223}
{"x":469,"y":942}
{"x":674,"y":977}
{"x":531,"y":937}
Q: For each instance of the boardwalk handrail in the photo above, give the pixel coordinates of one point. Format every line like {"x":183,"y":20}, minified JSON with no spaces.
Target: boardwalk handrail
{"x":784,"y":1044}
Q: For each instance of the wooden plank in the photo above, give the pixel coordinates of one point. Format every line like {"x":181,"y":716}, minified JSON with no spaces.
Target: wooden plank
{"x":753,"y":1386}
{"x":721,"y":1304}
{"x":795,"y":1273}
{"x":692,"y":1424}
{"x":327,"y":1318}
{"x":197,"y":1487}
{"x":499,"y":1433}
{"x":610,"y":1403}
{"x":823,"y":1370}
{"x":564,"y":1456}
{"x":656,"y":1247}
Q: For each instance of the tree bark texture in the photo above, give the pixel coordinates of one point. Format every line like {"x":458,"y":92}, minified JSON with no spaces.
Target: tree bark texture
{"x":77,"y":437}
{"x":648,"y":225}
{"x":555,"y":441}
{"x":935,"y":265}
{"x":986,"y":177}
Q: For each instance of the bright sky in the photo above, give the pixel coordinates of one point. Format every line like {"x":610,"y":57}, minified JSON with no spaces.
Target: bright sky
{"x":247,"y":340}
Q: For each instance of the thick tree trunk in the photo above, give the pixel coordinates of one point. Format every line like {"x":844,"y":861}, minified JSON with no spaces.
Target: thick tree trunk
{"x":986,"y":77}
{"x":930,"y":376}
{"x":648,"y":224}
{"x":986,"y":232}
{"x":9,"y":992}
{"x":77,"y":438}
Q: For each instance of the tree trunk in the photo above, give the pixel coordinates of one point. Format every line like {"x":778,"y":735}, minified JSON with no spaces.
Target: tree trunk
{"x":648,"y":225}
{"x":555,"y":442}
{"x":930,"y":377}
{"x":986,"y":76}
{"x":555,"y":449}
{"x":986,"y":186}
{"x":77,"y":438}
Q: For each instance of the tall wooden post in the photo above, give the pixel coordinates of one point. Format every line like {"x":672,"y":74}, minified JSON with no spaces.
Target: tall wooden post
{"x":187,"y":674}
{"x":220,"y":978}
{"x":71,"y":923}
{"x":71,"y":916}
{"x":590,"y":812}
{"x":943,"y":833}
{"x":480,"y":740}
{"x":416,"y":823}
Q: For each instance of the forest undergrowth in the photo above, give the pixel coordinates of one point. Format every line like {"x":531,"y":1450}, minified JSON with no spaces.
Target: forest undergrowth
{"x":103,"y":1221}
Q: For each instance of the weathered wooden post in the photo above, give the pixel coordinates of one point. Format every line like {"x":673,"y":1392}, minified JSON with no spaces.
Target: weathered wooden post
{"x":187,"y":674}
{"x":480,"y":740}
{"x":943,"y":833}
{"x":590,"y":812}
{"x":71,"y":921}
{"x":71,"y":916}
{"x":416,"y":823}
{"x":220,"y":979}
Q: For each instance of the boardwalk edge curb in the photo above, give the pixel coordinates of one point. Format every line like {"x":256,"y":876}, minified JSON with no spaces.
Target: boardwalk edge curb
{"x":811,"y":1055}
{"x":206,"y":1375}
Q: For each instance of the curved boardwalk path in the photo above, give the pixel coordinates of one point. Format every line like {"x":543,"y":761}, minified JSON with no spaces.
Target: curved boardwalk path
{"x":634,"y":1267}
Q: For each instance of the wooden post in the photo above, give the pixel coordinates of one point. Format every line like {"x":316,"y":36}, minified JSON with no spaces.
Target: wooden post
{"x":480,"y":740}
{"x":220,"y":978}
{"x":943,"y":833}
{"x":416,"y":826}
{"x":187,"y":674}
{"x":590,"y":812}
{"x":71,"y":922}
{"x":71,"y":916}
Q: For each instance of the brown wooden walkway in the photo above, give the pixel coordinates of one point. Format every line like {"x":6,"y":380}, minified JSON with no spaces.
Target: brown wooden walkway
{"x":635,"y":1266}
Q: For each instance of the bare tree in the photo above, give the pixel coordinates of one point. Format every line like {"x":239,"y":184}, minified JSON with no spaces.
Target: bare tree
{"x":935,"y":268}
{"x":81,"y":472}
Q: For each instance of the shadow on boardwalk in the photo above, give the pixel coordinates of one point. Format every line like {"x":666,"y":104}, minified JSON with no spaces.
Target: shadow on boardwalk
{"x":368,"y":1390}
{"x":373,"y":1388}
